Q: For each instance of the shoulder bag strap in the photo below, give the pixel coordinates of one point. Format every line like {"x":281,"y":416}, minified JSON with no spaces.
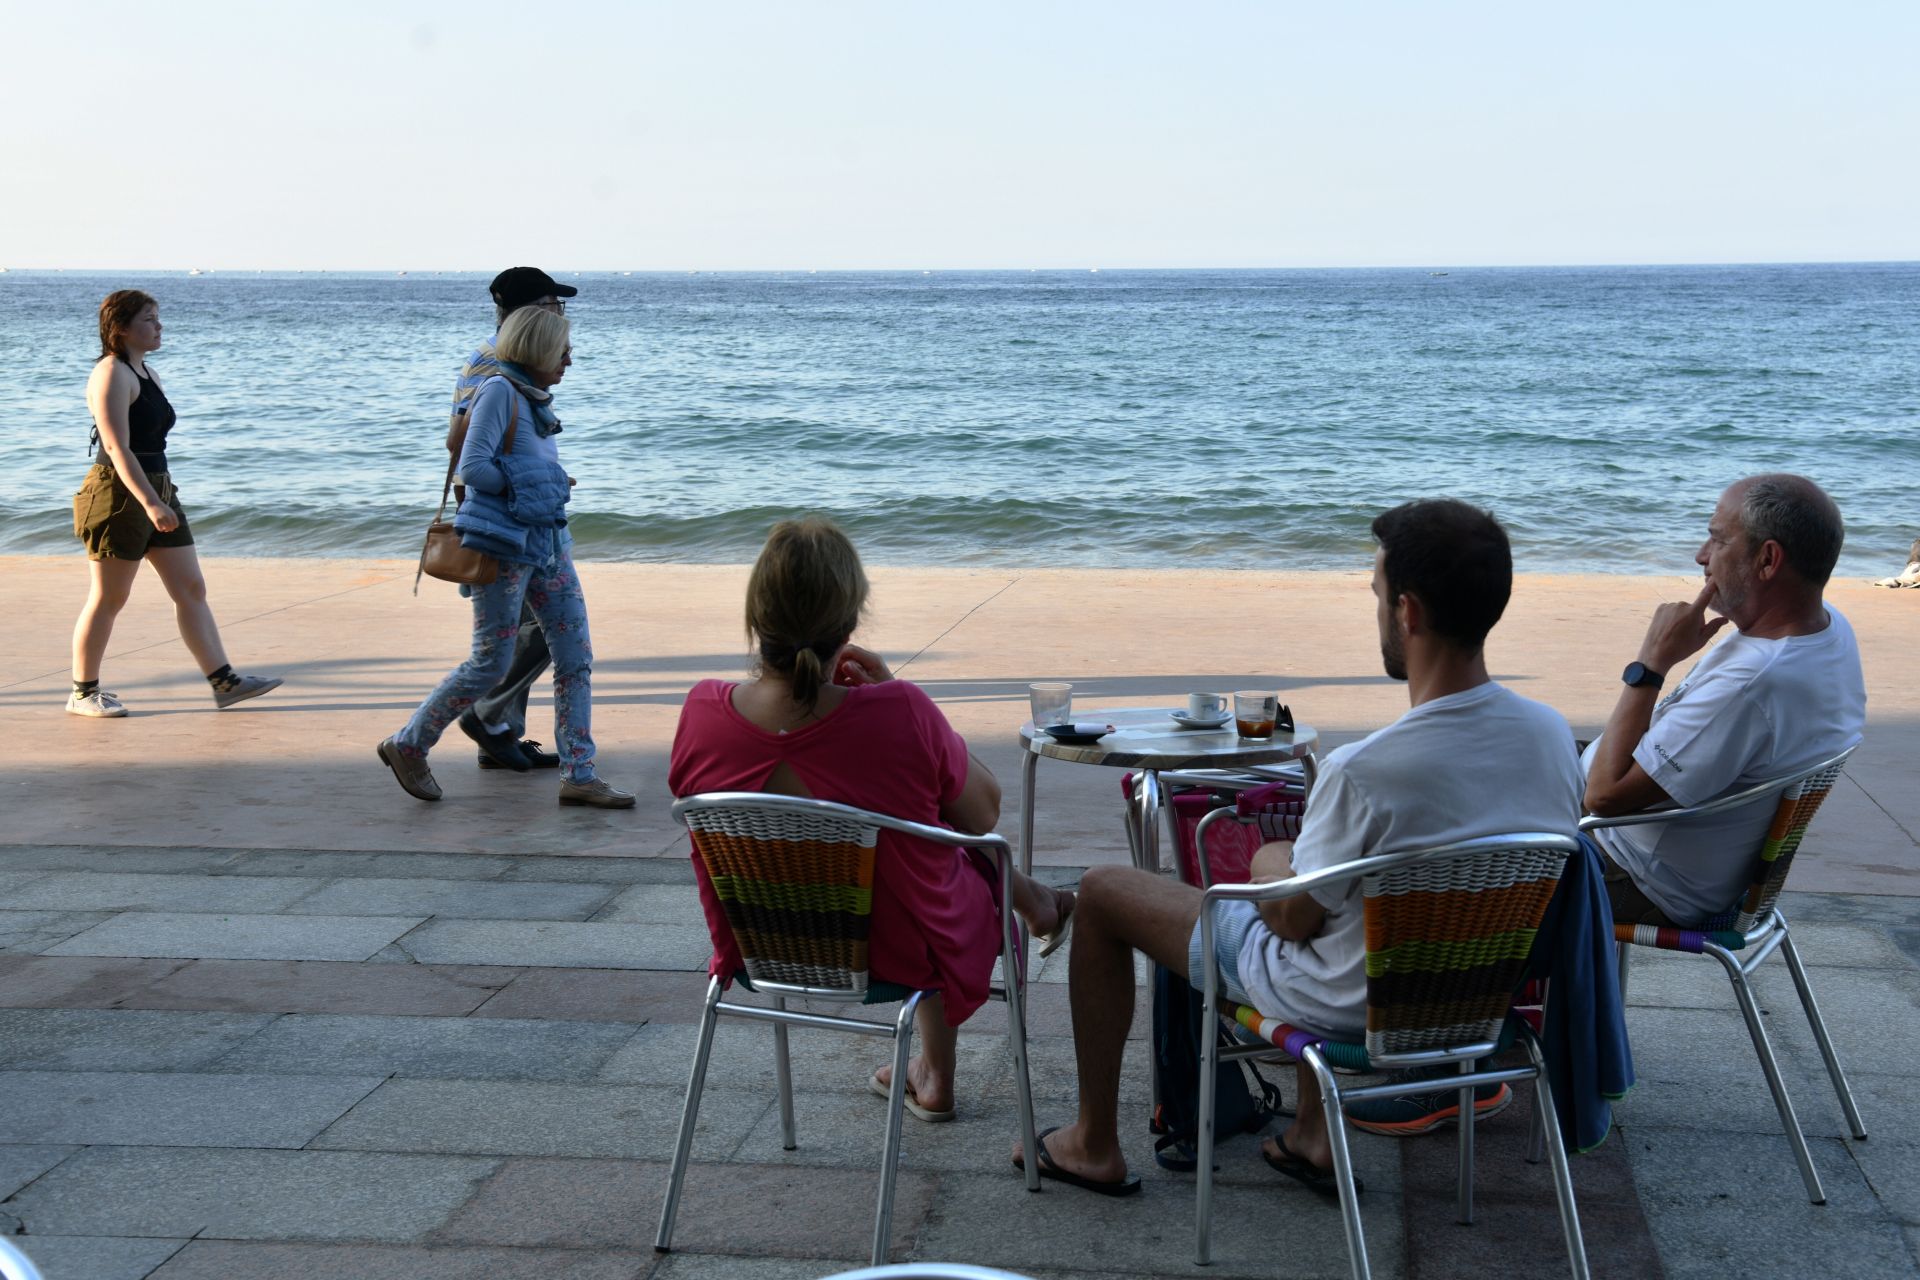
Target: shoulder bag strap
{"x":453,"y":463}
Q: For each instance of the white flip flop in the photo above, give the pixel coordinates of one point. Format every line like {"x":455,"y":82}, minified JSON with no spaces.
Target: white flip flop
{"x":918,"y":1112}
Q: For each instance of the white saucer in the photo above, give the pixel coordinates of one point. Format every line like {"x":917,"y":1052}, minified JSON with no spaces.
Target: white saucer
{"x":1186,"y":721}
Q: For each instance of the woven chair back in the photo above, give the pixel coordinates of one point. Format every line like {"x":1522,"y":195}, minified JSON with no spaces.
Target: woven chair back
{"x":1794,"y":810}
{"x":797,"y":889}
{"x":1447,"y":940}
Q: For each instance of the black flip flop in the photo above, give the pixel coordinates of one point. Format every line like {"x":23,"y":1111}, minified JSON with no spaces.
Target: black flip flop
{"x":1048,"y":1169}
{"x":1304,"y":1171}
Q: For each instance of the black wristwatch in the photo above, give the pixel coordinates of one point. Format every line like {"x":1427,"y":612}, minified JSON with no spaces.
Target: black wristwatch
{"x":1639,"y":675}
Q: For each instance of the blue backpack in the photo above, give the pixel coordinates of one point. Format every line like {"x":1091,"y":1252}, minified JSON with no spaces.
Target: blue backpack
{"x":1240,"y":1104}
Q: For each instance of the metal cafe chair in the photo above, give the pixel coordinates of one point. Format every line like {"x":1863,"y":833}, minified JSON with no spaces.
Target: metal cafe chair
{"x":1448,"y":930}
{"x":795,"y":877}
{"x":15,"y":1265}
{"x":1756,"y":929}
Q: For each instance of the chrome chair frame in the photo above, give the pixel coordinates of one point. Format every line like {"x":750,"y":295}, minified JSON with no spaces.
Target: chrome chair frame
{"x":1334,"y":1097}
{"x":926,"y":1271}
{"x":1769,"y":933}
{"x":1011,"y":946}
{"x":15,"y":1265}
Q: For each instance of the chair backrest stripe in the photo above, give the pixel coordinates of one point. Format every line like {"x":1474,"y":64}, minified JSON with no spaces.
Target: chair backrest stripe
{"x":1447,"y":940}
{"x":797,"y":892}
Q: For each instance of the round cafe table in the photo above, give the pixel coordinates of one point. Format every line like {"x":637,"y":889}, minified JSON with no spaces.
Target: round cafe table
{"x":1149,"y":741}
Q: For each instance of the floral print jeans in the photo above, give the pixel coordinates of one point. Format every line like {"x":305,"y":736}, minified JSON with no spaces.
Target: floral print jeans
{"x":556,"y":599}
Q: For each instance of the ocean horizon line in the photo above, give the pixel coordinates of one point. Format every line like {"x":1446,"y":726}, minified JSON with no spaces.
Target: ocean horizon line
{"x":189,"y":268}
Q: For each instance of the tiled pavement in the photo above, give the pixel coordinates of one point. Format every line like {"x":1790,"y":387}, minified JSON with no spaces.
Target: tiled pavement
{"x":225,"y":1064}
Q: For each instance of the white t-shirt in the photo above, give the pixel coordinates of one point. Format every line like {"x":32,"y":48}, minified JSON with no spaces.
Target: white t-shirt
{"x":1749,"y":710}
{"x":1480,"y":763}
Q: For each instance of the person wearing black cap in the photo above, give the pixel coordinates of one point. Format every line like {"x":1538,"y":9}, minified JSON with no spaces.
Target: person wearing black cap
{"x":498,"y":719}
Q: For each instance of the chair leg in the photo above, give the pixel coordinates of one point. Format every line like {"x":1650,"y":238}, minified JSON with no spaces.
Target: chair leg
{"x":683,"y":1145}
{"x":1464,"y":1192}
{"x":1342,"y":1163}
{"x":783,"y":1072}
{"x":1777,"y":1086}
{"x":1014,"y":974}
{"x":1549,"y":1121}
{"x":1819,"y":1025}
{"x":896,"y":1110}
{"x":1621,"y":952}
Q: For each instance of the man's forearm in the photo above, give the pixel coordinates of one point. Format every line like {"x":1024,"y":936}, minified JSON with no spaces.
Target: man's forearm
{"x":1632,"y":713}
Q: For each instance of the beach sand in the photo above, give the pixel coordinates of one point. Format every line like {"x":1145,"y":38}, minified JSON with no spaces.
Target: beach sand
{"x":296,"y":769}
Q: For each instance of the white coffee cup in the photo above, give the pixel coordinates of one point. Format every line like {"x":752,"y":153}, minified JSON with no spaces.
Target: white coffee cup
{"x":1206,"y":706}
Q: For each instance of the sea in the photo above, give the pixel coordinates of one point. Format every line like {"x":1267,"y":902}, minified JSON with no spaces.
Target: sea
{"x":1253,"y":419}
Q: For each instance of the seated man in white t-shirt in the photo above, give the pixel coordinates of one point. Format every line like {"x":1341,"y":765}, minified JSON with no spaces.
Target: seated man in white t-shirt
{"x":1782,"y":693}
{"x":1470,"y":758}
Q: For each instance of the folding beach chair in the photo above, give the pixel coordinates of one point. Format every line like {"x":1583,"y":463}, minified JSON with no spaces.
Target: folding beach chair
{"x":795,"y":877}
{"x":1448,"y":931}
{"x":1756,"y":928}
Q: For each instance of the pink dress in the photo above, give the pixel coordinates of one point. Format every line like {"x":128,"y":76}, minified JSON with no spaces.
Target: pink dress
{"x":888,"y":748}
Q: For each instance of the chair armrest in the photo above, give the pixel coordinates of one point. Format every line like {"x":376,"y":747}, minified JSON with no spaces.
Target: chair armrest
{"x":1757,"y":791}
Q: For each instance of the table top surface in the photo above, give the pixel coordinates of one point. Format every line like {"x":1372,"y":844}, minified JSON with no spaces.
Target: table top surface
{"x":1148,"y":738}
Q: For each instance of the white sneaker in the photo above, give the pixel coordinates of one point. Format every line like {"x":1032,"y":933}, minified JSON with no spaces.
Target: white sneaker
{"x":99,"y":704}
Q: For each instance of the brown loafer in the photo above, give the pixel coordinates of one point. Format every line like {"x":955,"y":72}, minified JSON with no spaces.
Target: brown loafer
{"x":595,"y":792}
{"x":410,"y":772}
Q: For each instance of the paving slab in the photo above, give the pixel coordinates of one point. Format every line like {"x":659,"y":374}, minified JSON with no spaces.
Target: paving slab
{"x":98,"y":1257}
{"x":226,"y":1260}
{"x":336,"y":864}
{"x":1889,"y":1166}
{"x":632,"y":866}
{"x":805,"y":1213}
{"x":456,"y":899}
{"x":93,"y":857}
{"x":684,"y":1265}
{"x":113,"y":891}
{"x":34,"y":931}
{"x":655,"y":904}
{"x":237,"y":937}
{"x":179,"y":1109}
{"x":561,"y":944}
{"x":455,"y":1048}
{"x":316,"y":986}
{"x":1699,"y":1166}
{"x":76,"y":982}
{"x":992,"y":1220}
{"x":1714,"y":1241}
{"x":119,"y":1040}
{"x":22,"y":1163}
{"x":613,"y":995}
{"x":489,"y":1118}
{"x":249,"y":1194}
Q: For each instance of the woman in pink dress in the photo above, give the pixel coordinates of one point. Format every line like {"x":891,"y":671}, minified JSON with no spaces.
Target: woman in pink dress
{"x":825,"y":718}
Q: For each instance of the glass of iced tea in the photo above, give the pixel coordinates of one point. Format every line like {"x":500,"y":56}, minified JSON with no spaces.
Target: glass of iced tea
{"x":1254,"y":713}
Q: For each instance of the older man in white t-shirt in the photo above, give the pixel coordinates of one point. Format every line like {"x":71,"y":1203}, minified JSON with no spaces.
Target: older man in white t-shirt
{"x":1470,"y":758}
{"x":1782,"y":693}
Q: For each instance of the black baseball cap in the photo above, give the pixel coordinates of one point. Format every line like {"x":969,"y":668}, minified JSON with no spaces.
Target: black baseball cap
{"x":518,"y":286}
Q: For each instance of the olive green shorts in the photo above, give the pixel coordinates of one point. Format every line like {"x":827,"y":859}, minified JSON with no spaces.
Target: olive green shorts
{"x":109,"y":520}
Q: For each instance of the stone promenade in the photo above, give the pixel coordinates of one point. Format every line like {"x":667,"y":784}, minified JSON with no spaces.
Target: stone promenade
{"x":262,"y":1015}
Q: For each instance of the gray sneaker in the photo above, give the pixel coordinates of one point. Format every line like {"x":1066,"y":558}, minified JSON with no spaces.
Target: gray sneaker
{"x":595,"y":792}
{"x":243,"y":687}
{"x":410,"y":772}
{"x":99,"y":704}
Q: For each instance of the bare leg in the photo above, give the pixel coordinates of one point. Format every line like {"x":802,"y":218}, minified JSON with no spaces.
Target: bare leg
{"x":179,"y":570}
{"x":1120,"y":910}
{"x":930,"y":1072}
{"x":111,"y":583}
{"x":1307,"y":1135}
{"x":1041,"y":906}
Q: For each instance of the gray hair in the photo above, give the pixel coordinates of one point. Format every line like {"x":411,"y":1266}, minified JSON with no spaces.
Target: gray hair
{"x":1796,"y":513}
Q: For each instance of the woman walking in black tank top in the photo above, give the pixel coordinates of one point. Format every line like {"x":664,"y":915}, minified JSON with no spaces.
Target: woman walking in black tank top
{"x":128,"y":510}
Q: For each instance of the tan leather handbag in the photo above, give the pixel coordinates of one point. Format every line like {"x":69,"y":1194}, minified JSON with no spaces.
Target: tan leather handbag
{"x":443,"y":557}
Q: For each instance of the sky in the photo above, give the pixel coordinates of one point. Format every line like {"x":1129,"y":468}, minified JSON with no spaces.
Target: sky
{"x":849,"y":134}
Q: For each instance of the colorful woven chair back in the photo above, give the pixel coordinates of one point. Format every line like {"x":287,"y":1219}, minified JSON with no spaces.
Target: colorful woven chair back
{"x":1795,"y":809}
{"x":797,"y":889}
{"x":1446,"y":942}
